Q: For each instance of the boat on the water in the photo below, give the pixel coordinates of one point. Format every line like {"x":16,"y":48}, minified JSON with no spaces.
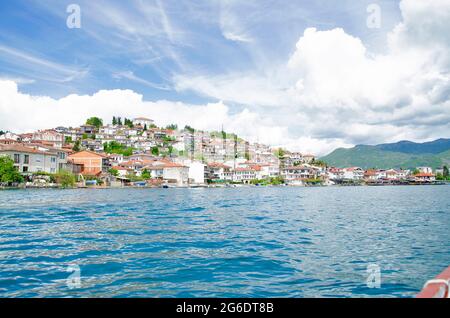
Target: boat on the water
{"x":438,"y":287}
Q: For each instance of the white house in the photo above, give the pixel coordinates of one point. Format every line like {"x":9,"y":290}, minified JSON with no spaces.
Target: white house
{"x":425,"y":177}
{"x":10,"y":136}
{"x":353,"y":173}
{"x":304,"y":172}
{"x":142,"y":121}
{"x":29,"y":160}
{"x":427,"y":170}
{"x":197,"y":171}
{"x":244,"y":175}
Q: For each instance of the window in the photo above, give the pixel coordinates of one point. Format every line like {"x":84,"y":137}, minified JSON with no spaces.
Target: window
{"x":16,"y":158}
{"x":53,"y":159}
{"x":25,"y":169}
{"x":26,"y":160}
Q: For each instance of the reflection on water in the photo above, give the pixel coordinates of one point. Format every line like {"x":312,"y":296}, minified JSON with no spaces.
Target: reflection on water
{"x":246,"y":242}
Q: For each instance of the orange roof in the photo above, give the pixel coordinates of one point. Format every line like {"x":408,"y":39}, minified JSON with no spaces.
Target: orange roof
{"x":423,"y":175}
{"x":87,"y":153}
{"x":370,"y":173}
{"x":21,"y":148}
{"x":218,"y":165}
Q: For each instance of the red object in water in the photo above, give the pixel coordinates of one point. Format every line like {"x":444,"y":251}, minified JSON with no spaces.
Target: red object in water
{"x":438,"y":287}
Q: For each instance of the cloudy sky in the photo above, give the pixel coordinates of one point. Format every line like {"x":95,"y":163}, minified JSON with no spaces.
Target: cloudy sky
{"x":307,"y":75}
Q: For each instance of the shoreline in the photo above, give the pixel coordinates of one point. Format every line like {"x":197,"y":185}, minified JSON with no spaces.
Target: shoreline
{"x":221,"y":187}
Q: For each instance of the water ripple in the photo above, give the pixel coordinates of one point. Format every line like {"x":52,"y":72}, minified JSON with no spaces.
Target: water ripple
{"x":246,"y":242}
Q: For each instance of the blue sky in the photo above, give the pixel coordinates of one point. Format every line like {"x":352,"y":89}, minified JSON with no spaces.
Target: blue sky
{"x":305,"y":75}
{"x":142,"y":45}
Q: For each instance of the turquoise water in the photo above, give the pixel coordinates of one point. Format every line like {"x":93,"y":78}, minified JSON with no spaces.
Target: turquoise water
{"x":240,"y":242}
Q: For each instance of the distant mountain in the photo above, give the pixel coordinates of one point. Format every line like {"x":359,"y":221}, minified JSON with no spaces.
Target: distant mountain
{"x":404,"y":154}
{"x":434,"y":147}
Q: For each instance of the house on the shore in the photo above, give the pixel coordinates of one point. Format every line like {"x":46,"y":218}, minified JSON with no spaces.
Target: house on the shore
{"x":353,"y":174}
{"x":121,"y":171}
{"x":92,"y":163}
{"x":218,"y":172}
{"x":170,"y":172}
{"x":298,"y":174}
{"x":28,"y":160}
{"x":424,"y":178}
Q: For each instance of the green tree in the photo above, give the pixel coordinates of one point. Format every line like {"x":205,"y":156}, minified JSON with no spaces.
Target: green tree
{"x":155,"y":151}
{"x":280,"y":153}
{"x":9,"y":173}
{"x":68,"y":139}
{"x":65,"y":179}
{"x":146,"y":175}
{"x":76,"y":146}
{"x":189,"y":129}
{"x":2,"y":132}
{"x":114,"y":120}
{"x":114,"y":172}
{"x":446,"y":172}
{"x":117,"y":148}
{"x":95,"y":121}
{"x":119,"y":121}
{"x":145,"y":127}
{"x":172,"y":127}
{"x":319,"y":163}
{"x":128,"y":123}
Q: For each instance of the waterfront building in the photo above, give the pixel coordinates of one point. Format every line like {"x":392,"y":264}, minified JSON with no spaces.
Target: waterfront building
{"x":353,"y":174}
{"x":197,"y":170}
{"x":335,"y":174}
{"x":29,"y":160}
{"x":244,"y":175}
{"x":299,"y":173}
{"x":172,"y":173}
{"x":62,"y":154}
{"x":424,"y":177}
{"x":218,"y":172}
{"x":425,"y":170}
{"x":122,"y":171}
{"x":92,"y":163}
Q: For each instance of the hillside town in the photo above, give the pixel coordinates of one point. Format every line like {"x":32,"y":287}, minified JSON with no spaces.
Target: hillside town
{"x":138,"y":153}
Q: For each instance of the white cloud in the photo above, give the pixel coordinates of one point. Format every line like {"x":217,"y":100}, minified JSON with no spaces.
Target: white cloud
{"x":330,"y":92}
{"x":231,"y":24}
{"x":332,"y":88}
{"x":23,"y":113}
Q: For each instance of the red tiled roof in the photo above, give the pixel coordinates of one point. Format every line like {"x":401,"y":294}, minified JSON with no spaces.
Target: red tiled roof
{"x":21,"y":148}
{"x":77,"y":154}
{"x":218,"y":165}
{"x":424,"y":175}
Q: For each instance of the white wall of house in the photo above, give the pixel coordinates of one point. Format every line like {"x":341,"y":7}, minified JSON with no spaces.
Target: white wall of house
{"x":196,"y":172}
{"x":34,"y":162}
{"x":179,"y":174}
{"x":425,"y":169}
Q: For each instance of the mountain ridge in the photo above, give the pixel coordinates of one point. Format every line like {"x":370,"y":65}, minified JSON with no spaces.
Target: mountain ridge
{"x":403,"y":154}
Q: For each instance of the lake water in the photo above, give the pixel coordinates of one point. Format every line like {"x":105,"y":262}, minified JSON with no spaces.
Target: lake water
{"x":236,"y":242}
